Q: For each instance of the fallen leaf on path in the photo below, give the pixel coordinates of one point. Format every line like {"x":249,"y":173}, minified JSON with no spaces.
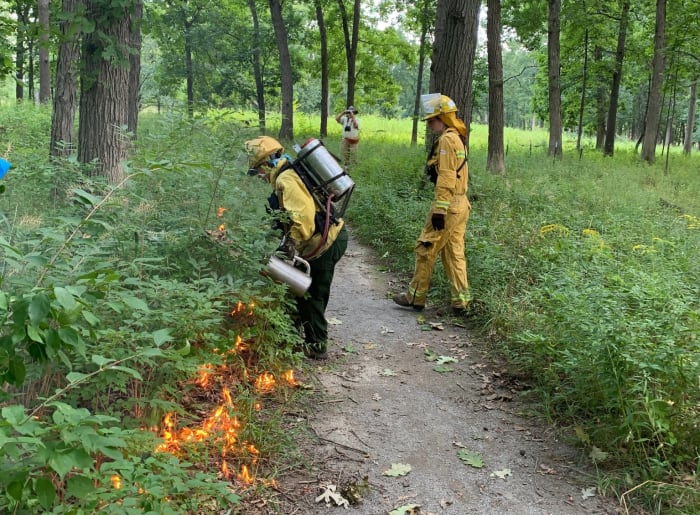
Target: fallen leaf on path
{"x":544,"y":469}
{"x":386,"y":330}
{"x":440,"y":369}
{"x":369,"y":346}
{"x":430,"y":355}
{"x":588,"y":492}
{"x":387,"y":372}
{"x":329,"y":494}
{"x":597,"y":455}
{"x":408,"y":509}
{"x":376,"y":397}
{"x":471,"y":458}
{"x":437,"y":326}
{"x":501,"y":473}
{"x":398,"y":469}
{"x":443,"y":360}
{"x":334,"y":321}
{"x":349,"y":348}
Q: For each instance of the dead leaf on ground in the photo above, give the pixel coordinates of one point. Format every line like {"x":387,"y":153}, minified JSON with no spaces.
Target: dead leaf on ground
{"x":398,"y":469}
{"x":544,"y":469}
{"x":408,"y":509}
{"x":588,"y":492}
{"x":501,"y":473}
{"x":369,"y":345}
{"x":329,"y":494}
{"x":376,"y":397}
{"x":387,"y":372}
{"x":334,"y":321}
{"x":386,"y":330}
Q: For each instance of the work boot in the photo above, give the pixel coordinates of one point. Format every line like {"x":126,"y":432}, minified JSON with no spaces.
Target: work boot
{"x":402,"y":300}
{"x":316,"y":351}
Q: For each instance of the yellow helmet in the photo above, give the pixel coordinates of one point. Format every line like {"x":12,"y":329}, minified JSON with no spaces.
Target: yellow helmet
{"x":260,"y":149}
{"x":435,"y":104}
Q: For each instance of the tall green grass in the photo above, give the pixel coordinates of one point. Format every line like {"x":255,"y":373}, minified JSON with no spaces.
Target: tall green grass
{"x":587,"y":269}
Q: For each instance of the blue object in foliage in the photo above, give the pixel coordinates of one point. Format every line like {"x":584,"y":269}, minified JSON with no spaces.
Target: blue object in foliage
{"x":4,"y":167}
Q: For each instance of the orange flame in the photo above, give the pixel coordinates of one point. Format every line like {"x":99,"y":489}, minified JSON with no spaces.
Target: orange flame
{"x":289,"y":377}
{"x":221,"y":228}
{"x":265,"y":383}
{"x":220,"y":212}
{"x":245,"y":476}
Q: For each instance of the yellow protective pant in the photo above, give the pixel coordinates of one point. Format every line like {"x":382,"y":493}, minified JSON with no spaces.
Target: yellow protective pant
{"x":449,"y":245}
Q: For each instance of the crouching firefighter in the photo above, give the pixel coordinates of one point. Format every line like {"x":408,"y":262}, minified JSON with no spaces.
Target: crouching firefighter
{"x":311,"y":230}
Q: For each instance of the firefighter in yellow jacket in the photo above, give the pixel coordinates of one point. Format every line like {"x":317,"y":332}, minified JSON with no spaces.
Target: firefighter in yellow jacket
{"x":443,"y":233}
{"x":316,"y":238}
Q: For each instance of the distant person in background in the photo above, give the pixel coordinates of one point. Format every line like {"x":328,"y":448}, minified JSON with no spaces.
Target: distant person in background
{"x":446,"y":223}
{"x":351,"y":136}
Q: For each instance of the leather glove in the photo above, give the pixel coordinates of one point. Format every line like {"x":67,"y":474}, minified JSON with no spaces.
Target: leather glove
{"x":287,"y":248}
{"x":438,"y":221}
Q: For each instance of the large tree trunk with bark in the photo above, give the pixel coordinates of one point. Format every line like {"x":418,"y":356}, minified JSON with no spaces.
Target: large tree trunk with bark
{"x":690,"y":124}
{"x":104,"y":95}
{"x":611,"y":126}
{"x":44,"y":65}
{"x":657,"y":82}
{"x":495,"y":156}
{"x":553,"y":64}
{"x":287,"y":125}
{"x":454,"y":48}
{"x":135,"y":69}
{"x":65,"y":94}
{"x":257,"y":68}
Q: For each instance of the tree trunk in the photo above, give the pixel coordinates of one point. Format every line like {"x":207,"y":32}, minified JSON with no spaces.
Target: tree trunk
{"x":351,"y":41}
{"x":189,"y":69}
{"x":454,"y":48}
{"x":422,"y":50}
{"x":553,"y":65}
{"x":44,"y":65}
{"x":104,"y":94}
{"x":690,"y":124}
{"x":135,"y":69}
{"x":600,"y":104}
{"x":257,"y":69}
{"x":65,"y":94}
{"x":323,"y":130}
{"x":287,"y":125}
{"x":609,"y":147}
{"x":582,"y":106}
{"x":22,"y":12}
{"x":495,"y":159}
{"x":657,"y":82}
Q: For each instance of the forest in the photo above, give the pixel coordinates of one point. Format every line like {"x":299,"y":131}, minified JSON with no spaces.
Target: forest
{"x":131,"y":238}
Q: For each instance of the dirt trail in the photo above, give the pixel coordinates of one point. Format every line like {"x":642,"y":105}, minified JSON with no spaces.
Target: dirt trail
{"x":382,"y":402}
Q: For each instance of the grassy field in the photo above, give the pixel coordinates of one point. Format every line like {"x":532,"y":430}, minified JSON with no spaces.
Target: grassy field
{"x":585,"y":274}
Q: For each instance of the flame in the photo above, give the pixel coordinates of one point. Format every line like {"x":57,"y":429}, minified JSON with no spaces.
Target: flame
{"x":265,"y":383}
{"x":220,"y":212}
{"x":221,"y":228}
{"x":289,"y":377}
{"x":204,"y":375}
{"x":116,"y":481}
{"x":244,"y":475}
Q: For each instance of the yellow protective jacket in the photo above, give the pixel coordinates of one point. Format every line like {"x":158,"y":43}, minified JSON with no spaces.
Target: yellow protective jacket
{"x":296,"y":200}
{"x":452,"y":171}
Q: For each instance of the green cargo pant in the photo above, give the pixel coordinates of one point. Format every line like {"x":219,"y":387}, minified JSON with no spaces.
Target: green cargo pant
{"x":312,"y":306}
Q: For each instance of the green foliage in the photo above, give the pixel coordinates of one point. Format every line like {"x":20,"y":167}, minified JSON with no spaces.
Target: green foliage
{"x":112,"y":299}
{"x":585,"y":270}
